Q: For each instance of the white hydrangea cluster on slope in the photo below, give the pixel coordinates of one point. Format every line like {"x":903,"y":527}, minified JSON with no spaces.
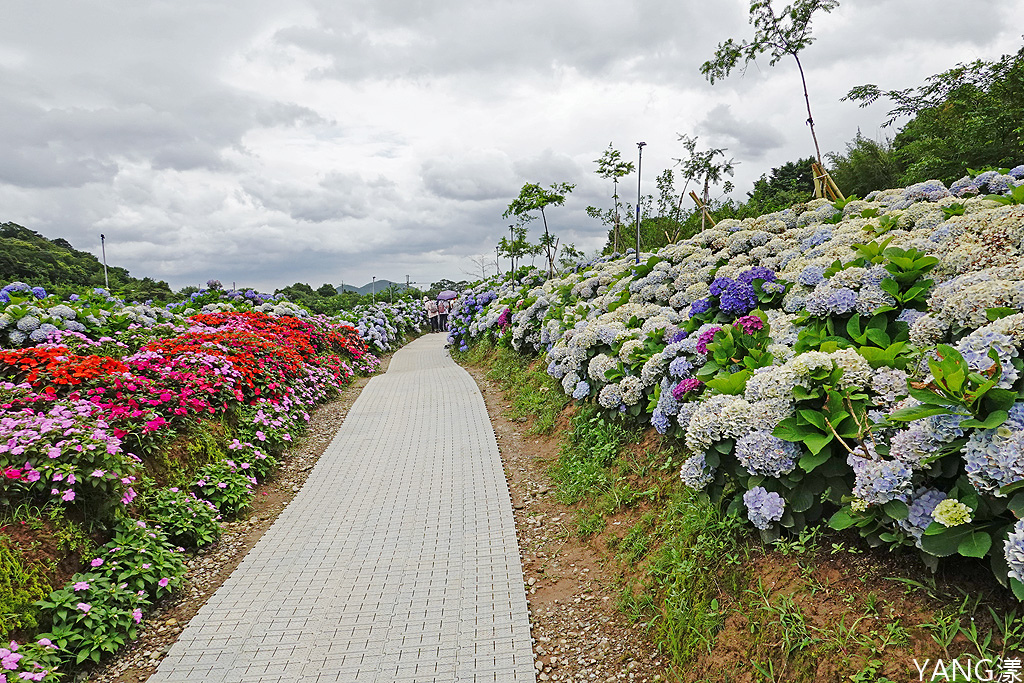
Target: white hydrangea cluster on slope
{"x":614,"y":333}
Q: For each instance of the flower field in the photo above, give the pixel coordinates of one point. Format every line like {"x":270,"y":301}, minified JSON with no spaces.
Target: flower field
{"x":97,"y":398}
{"x":854,"y":362}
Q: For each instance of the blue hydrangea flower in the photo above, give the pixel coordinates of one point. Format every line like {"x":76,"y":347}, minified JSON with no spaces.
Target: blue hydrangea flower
{"x":756,"y":273}
{"x":700,"y":306}
{"x":734,"y":298}
{"x":761,"y":453}
{"x":811,"y":276}
{"x":1013,"y":549}
{"x":660,"y":422}
{"x":581,"y":391}
{"x":695,"y":472}
{"x":880,"y":481}
{"x":763,"y":507}
{"x":921,"y":505}
{"x":680,"y":367}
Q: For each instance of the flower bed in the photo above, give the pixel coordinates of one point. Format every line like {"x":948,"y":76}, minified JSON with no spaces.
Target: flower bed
{"x":82,"y":413}
{"x":857,"y":361}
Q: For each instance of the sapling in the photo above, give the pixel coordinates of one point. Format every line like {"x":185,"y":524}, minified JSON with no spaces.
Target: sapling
{"x":778,"y":35}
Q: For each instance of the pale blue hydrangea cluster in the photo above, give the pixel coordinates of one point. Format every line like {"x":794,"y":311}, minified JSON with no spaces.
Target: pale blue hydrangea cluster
{"x":920,"y":507}
{"x":994,"y":458}
{"x":763,"y":507}
{"x":1013,"y":550}
{"x":695,"y":472}
{"x":878,"y":481}
{"x":975,"y":349}
{"x":761,"y":453}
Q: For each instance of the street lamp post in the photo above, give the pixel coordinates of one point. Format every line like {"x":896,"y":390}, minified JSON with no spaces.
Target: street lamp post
{"x":639,"y":166}
{"x":512,"y":247}
{"x":103,"y":248}
{"x":373,"y":290}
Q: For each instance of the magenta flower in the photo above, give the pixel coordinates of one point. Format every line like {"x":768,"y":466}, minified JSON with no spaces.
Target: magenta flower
{"x":137,"y":615}
{"x":85,"y":607}
{"x":705,"y":337}
{"x":68,"y":495}
{"x":163,"y":582}
{"x":98,"y":561}
{"x":81,"y":585}
{"x":685,"y":386}
{"x":750,"y":323}
{"x":97,"y":473}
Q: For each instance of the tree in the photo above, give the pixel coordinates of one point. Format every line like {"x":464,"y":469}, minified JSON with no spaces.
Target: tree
{"x":533,"y":197}
{"x":967,"y":117}
{"x":611,"y":165}
{"x":779,"y":35}
{"x":516,"y":246}
{"x":326,"y":290}
{"x":702,"y":168}
{"x":788,"y":184}
{"x":866,"y":166}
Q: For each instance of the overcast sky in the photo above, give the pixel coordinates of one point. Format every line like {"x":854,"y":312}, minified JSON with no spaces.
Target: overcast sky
{"x":265,"y":142}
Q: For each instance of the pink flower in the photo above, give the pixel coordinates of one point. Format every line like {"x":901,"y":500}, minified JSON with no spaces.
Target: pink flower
{"x":98,"y":561}
{"x":68,"y":495}
{"x":97,"y":473}
{"x":47,"y":643}
{"x":33,"y":476}
{"x":81,"y":585}
{"x":137,"y":615}
{"x":260,"y":435}
{"x":163,"y":582}
{"x":85,"y":607}
{"x":146,"y":565}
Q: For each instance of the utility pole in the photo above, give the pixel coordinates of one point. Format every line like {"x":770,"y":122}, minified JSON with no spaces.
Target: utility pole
{"x":497,"y":266}
{"x":103,"y":247}
{"x":639,"y":166}
{"x":373,"y":290}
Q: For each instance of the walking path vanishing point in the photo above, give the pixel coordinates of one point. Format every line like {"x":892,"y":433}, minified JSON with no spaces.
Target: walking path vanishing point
{"x":397,"y":561}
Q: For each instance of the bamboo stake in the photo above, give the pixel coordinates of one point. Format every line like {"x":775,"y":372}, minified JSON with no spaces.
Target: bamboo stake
{"x":703,"y":208}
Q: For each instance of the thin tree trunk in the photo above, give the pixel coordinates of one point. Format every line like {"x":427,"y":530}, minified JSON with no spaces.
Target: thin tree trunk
{"x":807,"y":99}
{"x":547,"y":244}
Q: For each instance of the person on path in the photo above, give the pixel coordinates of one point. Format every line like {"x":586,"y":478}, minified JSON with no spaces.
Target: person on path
{"x":442,"y":314}
{"x":431,"y":307}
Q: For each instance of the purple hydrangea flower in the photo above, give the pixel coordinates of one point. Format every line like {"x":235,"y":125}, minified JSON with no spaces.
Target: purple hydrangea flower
{"x":763,"y":507}
{"x":686,"y":386}
{"x":700,"y":306}
{"x":756,"y":273}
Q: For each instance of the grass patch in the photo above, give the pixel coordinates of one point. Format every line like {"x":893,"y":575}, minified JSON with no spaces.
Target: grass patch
{"x":531,"y":391}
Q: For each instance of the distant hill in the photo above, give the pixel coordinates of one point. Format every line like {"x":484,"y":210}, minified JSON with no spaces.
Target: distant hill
{"x":27,"y":256}
{"x":379,"y":286}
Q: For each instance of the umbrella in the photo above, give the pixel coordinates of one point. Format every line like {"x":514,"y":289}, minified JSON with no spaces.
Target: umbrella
{"x":447,"y":295}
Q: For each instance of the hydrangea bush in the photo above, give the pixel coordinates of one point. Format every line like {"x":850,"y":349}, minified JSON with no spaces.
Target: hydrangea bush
{"x":858,"y":361}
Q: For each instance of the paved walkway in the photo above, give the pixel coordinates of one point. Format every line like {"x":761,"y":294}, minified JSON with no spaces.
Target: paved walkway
{"x":397,"y":561}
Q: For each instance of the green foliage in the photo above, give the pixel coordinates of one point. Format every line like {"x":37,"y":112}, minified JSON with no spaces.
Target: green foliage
{"x":967,"y":117}
{"x":142,"y":558}
{"x":866,"y":166}
{"x":21,"y":584}
{"x":590,"y":449}
{"x":92,"y":622}
{"x":788,"y":184}
{"x":226,"y":486}
{"x":187,"y":520}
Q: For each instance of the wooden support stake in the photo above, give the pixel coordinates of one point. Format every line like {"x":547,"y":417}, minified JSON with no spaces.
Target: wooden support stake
{"x":703,"y":208}
{"x":824,"y":186}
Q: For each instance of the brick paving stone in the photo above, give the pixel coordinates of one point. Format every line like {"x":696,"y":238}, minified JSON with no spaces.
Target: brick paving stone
{"x":397,"y":561}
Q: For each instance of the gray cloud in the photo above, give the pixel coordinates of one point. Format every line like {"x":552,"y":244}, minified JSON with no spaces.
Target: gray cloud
{"x":744,"y":139}
{"x":269,"y":143}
